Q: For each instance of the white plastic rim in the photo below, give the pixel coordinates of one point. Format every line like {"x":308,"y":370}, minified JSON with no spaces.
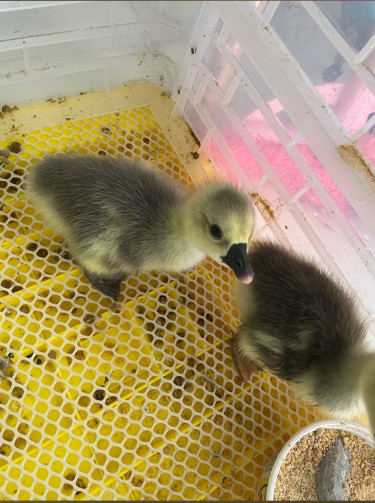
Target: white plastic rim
{"x":274,"y":466}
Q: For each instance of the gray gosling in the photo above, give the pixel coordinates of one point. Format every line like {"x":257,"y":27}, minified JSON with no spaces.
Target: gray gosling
{"x":306,"y":329}
{"x":121,"y":216}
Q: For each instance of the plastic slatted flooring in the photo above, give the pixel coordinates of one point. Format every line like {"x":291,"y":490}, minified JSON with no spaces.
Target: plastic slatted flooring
{"x":129,"y":400}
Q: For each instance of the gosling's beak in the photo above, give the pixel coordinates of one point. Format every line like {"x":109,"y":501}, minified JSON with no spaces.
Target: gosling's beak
{"x":238,"y":260}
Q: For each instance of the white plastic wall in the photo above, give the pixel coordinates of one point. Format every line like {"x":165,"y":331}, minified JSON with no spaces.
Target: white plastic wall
{"x":280,"y":95}
{"x":62,"y":48}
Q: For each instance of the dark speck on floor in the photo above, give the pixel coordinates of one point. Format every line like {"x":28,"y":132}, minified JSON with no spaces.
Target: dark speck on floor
{"x":15,"y":147}
{"x":6,"y":109}
{"x":99,"y":394}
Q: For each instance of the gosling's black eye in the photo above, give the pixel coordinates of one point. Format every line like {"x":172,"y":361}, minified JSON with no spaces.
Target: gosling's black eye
{"x":216,"y":231}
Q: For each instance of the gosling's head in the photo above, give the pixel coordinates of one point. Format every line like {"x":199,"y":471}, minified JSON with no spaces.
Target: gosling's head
{"x":219,"y":222}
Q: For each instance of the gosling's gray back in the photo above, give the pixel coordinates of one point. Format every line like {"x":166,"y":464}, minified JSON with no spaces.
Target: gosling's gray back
{"x":84,"y":198}
{"x":304,"y":327}
{"x":120,"y":216}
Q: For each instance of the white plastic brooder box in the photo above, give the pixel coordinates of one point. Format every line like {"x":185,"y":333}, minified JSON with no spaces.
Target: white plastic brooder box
{"x":140,"y":400}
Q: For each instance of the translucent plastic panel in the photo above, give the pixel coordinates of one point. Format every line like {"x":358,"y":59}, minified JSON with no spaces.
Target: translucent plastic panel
{"x":257,"y":125}
{"x":169,"y":13}
{"x":263,"y":89}
{"x":370,"y":62}
{"x":214,"y":110}
{"x":11,"y":62}
{"x":197,"y":82}
{"x":283,"y":118}
{"x":243,"y":105}
{"x":195,"y":122}
{"x":260,"y":224}
{"x":338,"y":247}
{"x":249,"y":68}
{"x":261,"y":5}
{"x":80,"y":51}
{"x":322,"y":175}
{"x":354,"y":20}
{"x":219,"y":26}
{"x":24,"y":90}
{"x":231,"y":136}
{"x":332,"y":77}
{"x":10,"y":5}
{"x":354,"y":105}
{"x":99,"y":48}
{"x":36,"y":3}
{"x":269,"y":203}
{"x":218,"y":158}
{"x":271,"y":147}
{"x":46,"y":19}
{"x":337,"y":196}
{"x":366,"y":143}
{"x":243,"y":155}
{"x":220,"y":69}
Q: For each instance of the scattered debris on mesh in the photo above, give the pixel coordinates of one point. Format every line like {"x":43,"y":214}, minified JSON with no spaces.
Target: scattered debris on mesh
{"x":6,"y":362}
{"x":15,"y":147}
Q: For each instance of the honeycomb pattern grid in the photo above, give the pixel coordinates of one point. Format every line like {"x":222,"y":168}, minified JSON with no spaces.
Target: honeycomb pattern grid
{"x":135,"y":400}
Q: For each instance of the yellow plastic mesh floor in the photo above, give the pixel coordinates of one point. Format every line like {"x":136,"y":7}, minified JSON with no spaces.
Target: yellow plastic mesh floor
{"x":136,"y":400}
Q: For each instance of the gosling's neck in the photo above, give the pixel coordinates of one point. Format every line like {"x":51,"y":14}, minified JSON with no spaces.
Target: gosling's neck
{"x":184,"y":219}
{"x":176,"y":248}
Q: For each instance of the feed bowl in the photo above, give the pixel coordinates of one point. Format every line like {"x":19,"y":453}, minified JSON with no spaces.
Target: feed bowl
{"x":269,"y":478}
